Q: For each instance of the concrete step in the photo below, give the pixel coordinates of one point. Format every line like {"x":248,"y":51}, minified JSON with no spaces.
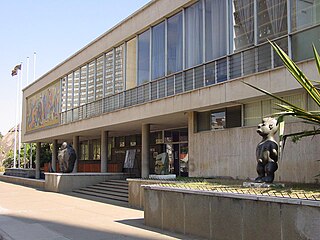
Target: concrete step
{"x":103,"y":195}
{"x":116,"y":183}
{"x":115,"y":190}
{"x":108,"y":189}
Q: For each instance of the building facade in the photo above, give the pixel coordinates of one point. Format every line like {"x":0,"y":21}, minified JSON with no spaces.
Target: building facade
{"x":169,"y":78}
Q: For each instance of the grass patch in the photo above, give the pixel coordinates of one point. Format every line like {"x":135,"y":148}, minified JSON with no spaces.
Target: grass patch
{"x":291,"y":190}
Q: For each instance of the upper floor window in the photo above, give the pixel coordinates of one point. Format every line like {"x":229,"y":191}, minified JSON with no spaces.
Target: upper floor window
{"x":243,"y":23}
{"x":272,"y":19}
{"x":304,"y":13}
{"x":158,"y":51}
{"x":194,"y":35}
{"x":174,"y":45}
{"x":216,"y":30}
{"x":144,"y":57}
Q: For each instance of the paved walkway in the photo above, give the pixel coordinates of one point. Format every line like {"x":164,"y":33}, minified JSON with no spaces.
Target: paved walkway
{"x":31,"y":214}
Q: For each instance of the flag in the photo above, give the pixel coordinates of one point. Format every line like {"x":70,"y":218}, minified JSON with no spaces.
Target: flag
{"x":15,"y":70}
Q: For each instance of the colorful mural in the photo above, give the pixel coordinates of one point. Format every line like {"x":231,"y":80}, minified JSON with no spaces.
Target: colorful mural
{"x":43,"y":108}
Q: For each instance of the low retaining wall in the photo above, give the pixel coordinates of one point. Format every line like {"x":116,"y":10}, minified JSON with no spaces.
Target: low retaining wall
{"x":35,"y":183}
{"x":66,"y":182}
{"x":230,"y":216}
{"x":136,"y":191}
{"x":20,"y":172}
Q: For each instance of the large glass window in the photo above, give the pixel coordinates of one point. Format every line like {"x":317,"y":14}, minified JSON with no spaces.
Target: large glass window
{"x":174,"y":43}
{"x":131,"y":64}
{"x":304,"y":13}
{"x":83,"y":85}
{"x":96,"y":147}
{"x":219,"y":119}
{"x":76,"y":88}
{"x":158,"y":51}
{"x":70,"y":91}
{"x":76,"y":93}
{"x":91,"y":82}
{"x":84,"y":150}
{"x":143,"y":57}
{"x":302,"y":43}
{"x":194,"y":35}
{"x":243,"y":23}
{"x":216,"y":30}
{"x":99,"y":78}
{"x":64,"y":94}
{"x":118,"y":75}
{"x":272,"y":19}
{"x":108,"y":88}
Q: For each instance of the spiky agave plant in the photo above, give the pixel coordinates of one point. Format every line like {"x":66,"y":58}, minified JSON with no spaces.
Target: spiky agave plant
{"x":288,"y":109}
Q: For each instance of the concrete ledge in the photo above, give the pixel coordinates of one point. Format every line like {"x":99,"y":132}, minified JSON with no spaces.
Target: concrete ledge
{"x":215,"y":215}
{"x":35,"y":183}
{"x":136,"y":190}
{"x":66,"y":182}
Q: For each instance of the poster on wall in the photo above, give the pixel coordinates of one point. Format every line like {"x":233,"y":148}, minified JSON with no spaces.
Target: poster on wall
{"x":43,"y":108}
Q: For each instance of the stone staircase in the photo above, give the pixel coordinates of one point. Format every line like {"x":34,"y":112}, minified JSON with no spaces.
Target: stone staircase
{"x":115,"y":191}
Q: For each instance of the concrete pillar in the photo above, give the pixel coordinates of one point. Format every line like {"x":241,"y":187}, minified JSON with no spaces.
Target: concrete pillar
{"x":104,"y":151}
{"x":145,"y":151}
{"x":38,"y":160}
{"x":54,"y":155}
{"x":76,"y":147}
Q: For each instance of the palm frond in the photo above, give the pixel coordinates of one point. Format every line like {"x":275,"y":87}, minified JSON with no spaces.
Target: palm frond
{"x":298,"y":74}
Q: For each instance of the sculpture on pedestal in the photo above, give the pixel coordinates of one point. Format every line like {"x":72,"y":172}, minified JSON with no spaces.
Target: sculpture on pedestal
{"x":162,"y":164}
{"x":267,"y":151}
{"x":66,"y":157}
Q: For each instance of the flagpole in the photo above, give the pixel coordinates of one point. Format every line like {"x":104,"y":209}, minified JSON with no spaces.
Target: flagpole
{"x":24,"y":145}
{"x":20,"y":115}
{"x":34,"y":78}
{"x":15,"y":129}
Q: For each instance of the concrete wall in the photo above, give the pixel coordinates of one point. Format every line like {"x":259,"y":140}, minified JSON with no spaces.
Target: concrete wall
{"x":35,"y":183}
{"x":231,"y":152}
{"x":230,"y":216}
{"x":66,"y":182}
{"x":136,"y":191}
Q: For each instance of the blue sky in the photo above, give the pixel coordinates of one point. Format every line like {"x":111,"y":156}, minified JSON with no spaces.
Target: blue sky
{"x":54,"y":29}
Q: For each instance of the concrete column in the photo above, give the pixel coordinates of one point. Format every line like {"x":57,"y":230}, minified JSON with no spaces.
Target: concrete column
{"x":54,"y":155}
{"x":104,"y":151}
{"x":145,"y":152}
{"x":76,"y":147}
{"x":38,"y":160}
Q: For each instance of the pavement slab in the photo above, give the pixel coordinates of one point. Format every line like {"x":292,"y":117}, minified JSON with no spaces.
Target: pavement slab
{"x":33,"y":214}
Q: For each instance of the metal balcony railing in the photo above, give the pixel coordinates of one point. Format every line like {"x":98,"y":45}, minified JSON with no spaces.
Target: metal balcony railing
{"x":239,"y":64}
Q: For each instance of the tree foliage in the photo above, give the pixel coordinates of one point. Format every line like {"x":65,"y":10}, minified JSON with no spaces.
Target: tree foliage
{"x":45,"y":156}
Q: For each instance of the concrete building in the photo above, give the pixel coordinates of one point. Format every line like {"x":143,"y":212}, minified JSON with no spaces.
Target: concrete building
{"x":169,"y":78}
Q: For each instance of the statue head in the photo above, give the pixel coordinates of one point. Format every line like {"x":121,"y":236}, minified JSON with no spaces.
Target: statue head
{"x":268,"y":127}
{"x":64,"y":145}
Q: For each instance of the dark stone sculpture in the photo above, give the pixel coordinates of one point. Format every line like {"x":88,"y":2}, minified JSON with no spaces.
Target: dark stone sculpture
{"x":267,"y":151}
{"x":67,"y":157}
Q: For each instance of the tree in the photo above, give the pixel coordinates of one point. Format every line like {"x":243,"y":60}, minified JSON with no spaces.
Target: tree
{"x":45,"y":153}
{"x":1,"y":136}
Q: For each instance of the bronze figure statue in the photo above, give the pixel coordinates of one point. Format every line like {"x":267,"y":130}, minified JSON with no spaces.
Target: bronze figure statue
{"x":66,"y":157}
{"x":267,"y":151}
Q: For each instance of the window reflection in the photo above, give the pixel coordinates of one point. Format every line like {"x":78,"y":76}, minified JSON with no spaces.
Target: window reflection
{"x":143,"y":57}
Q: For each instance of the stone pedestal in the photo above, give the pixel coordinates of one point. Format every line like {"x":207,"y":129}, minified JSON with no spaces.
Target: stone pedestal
{"x":162,"y":177}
